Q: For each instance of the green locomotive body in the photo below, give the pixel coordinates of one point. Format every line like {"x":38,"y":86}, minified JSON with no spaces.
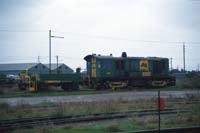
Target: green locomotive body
{"x":117,"y":72}
{"x":110,"y":72}
{"x":66,"y":81}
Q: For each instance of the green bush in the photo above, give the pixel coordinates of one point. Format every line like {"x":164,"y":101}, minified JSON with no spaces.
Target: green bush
{"x":1,"y":92}
{"x":192,"y":80}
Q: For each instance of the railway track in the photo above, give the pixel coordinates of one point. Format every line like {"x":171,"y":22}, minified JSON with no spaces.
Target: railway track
{"x":6,"y":125}
{"x":172,"y":130}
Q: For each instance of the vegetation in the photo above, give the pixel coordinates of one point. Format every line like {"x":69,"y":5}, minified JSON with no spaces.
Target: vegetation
{"x":192,"y":81}
{"x":71,"y":108}
{"x":113,"y":126}
{"x":133,"y":123}
{"x":74,"y":108}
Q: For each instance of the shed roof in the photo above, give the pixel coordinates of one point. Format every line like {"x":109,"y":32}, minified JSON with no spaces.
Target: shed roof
{"x":54,"y":66}
{"x":16,"y":66}
{"x":26,"y":66}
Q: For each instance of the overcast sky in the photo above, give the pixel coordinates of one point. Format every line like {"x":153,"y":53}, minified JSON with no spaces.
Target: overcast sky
{"x":101,"y":27}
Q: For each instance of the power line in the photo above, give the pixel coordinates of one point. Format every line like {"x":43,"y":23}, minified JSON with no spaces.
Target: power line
{"x":115,"y":38}
{"x":107,"y":37}
{"x":126,"y":39}
{"x":23,"y":30}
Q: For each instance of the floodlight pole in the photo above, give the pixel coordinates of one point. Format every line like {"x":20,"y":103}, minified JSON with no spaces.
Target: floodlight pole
{"x":159,"y":111}
{"x":50,"y":36}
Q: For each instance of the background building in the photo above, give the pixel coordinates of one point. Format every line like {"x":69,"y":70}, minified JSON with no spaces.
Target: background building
{"x":60,"y":69}
{"x":33,"y":68}
{"x":16,"y":68}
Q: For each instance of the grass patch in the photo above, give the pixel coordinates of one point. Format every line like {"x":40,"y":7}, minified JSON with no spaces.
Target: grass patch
{"x":71,"y":108}
{"x":77,"y":108}
{"x":133,"y":123}
{"x":113,"y":127}
{"x":191,"y":81}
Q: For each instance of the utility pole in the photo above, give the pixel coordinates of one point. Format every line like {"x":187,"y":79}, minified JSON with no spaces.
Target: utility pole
{"x":184,"y":56}
{"x":38,"y":59}
{"x":171,"y":64}
{"x":57,"y":63}
{"x":159,"y":111}
{"x":198,"y":68}
{"x":49,"y":51}
{"x":50,"y":36}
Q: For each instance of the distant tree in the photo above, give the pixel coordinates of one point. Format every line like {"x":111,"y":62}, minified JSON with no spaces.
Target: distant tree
{"x":192,"y":80}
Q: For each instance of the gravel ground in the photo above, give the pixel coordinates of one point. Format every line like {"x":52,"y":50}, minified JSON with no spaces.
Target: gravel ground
{"x":99,"y":97}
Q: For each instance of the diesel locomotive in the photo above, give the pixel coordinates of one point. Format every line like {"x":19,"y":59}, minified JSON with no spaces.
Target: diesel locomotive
{"x":105,"y":72}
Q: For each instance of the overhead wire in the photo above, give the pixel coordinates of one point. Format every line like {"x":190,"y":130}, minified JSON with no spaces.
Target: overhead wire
{"x":108,"y":37}
{"x":23,"y":30}
{"x":156,"y":42}
{"x":126,"y":39}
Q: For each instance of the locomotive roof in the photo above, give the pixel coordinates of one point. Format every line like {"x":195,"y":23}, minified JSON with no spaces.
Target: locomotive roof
{"x":88,"y":57}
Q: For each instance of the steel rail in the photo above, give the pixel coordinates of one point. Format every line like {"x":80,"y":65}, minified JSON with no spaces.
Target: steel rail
{"x":6,"y":125}
{"x":170,"y":130}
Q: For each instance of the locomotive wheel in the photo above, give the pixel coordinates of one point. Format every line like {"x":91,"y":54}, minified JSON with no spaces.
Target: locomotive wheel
{"x":75,"y":86}
{"x":65,"y":87}
{"x":22,"y":87}
{"x":42,"y":87}
{"x":116,"y":85}
{"x":158,"y":83}
{"x":69,"y":86}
